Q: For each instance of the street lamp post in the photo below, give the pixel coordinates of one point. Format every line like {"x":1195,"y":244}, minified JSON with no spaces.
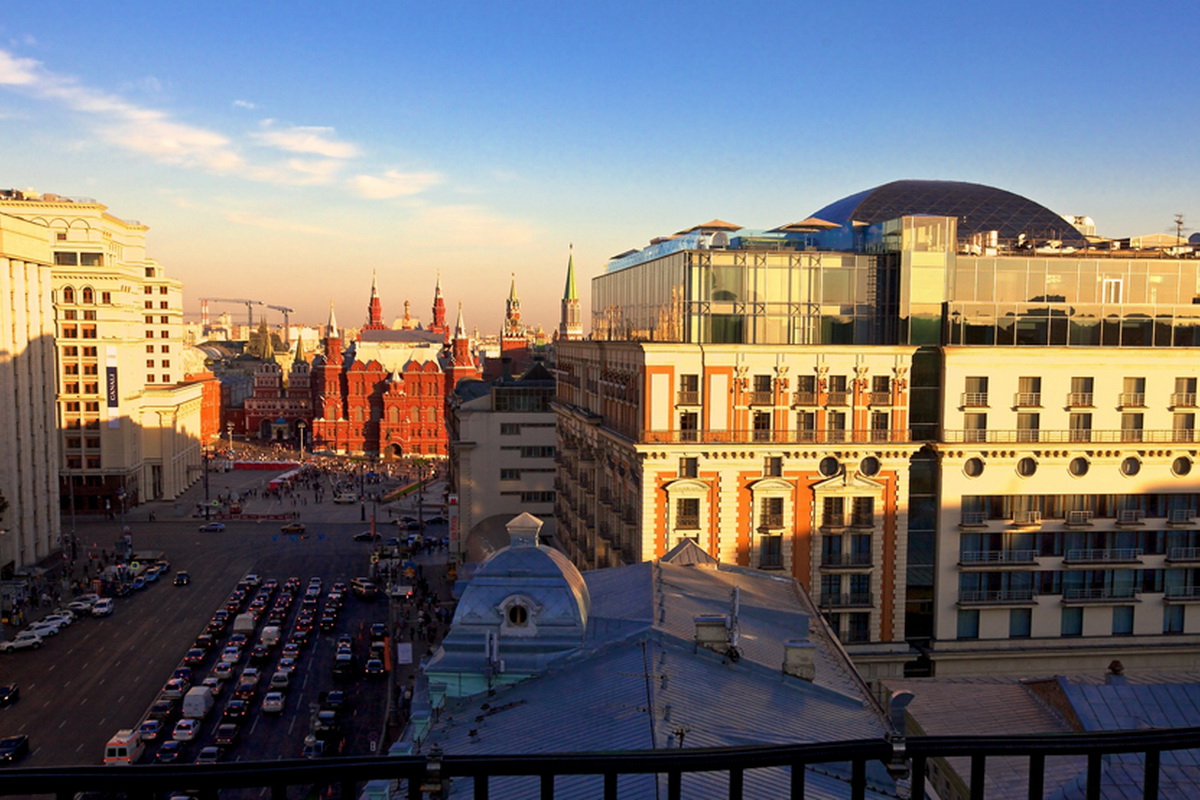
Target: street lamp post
{"x":301,"y":426}
{"x":207,"y":506}
{"x":229,"y":430}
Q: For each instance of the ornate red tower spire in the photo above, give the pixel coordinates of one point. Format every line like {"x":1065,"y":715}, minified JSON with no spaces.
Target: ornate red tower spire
{"x":439,"y":311}
{"x":374,"y":310}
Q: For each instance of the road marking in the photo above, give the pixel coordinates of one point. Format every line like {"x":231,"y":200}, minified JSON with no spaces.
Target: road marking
{"x":101,"y":682}
{"x":64,"y":722}
{"x":65,"y":685}
{"x":52,"y":666}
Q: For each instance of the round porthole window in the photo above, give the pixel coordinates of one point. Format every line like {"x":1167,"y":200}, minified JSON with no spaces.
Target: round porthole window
{"x":518,"y":616}
{"x":829,"y":466}
{"x":1181,"y":466}
{"x":973,"y":467}
{"x":1131,"y":466}
{"x":1078,"y":467}
{"x":869,"y":466}
{"x":1026,"y":467}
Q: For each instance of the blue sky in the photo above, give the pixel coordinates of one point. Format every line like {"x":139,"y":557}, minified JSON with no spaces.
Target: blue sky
{"x":283,"y":151}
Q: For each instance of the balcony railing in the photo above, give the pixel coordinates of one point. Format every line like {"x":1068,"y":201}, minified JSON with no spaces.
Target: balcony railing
{"x":1183,"y":554}
{"x":974,"y":400}
{"x":549,"y":772}
{"x":833,"y":519}
{"x":1083,"y":594}
{"x":1027,"y":399}
{"x":991,"y":596}
{"x":1078,"y":518}
{"x":972,"y":518}
{"x":1049,"y":436}
{"x":688,"y":523}
{"x":1080,"y":399}
{"x":838,"y":399}
{"x":1132,"y":400}
{"x":1183,"y":399}
{"x":1103,"y":554}
{"x":848,"y":600}
{"x":762,"y":398}
{"x":806,"y":399}
{"x":846,"y":560}
{"x":1183,"y":593}
{"x":880,"y":398}
{"x":774,"y":436}
{"x":770,"y":521}
{"x":1130,"y":516}
{"x":998,"y":557}
{"x":1027,"y":517}
{"x":688,"y":398}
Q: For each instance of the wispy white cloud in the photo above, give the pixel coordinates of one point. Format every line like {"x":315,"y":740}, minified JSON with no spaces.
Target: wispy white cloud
{"x":305,"y":139}
{"x":393,"y":183}
{"x":17,"y":71}
{"x":254,"y":220}
{"x":244,"y":104}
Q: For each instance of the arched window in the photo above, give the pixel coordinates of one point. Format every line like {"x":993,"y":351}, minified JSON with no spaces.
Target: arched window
{"x":68,"y":294}
{"x":89,"y":297}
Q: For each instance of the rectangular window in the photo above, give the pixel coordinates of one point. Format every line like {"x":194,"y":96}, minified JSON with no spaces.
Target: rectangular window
{"x":1020,"y":623}
{"x":1133,"y":392}
{"x":762,"y":426}
{"x":510,"y":429}
{"x":773,"y":467}
{"x":1027,"y":426}
{"x":976,"y":391}
{"x":689,"y":390}
{"x":149,"y":348}
{"x":1072,"y":621}
{"x":806,"y":390}
{"x":1173,"y":619}
{"x":66,"y":259}
{"x":1081,"y":426}
{"x":166,"y":378}
{"x":162,"y":290}
{"x":859,"y":627}
{"x":537,"y":452}
{"x":689,"y":468}
{"x":1029,"y":391}
{"x":881,"y":426}
{"x":165,"y":348}
{"x":163,"y":304}
{"x":164,"y":320}
{"x":88,"y":331}
{"x":1131,"y":427}
{"x":70,"y":332}
{"x":510,"y":474}
{"x":835,"y":425}
{"x":687,"y":513}
{"x":761,"y":393}
{"x":863,"y":512}
{"x":1184,"y":426}
{"x":770,"y":551}
{"x":975,"y":427}
{"x":106,"y":298}
{"x":771,"y":512}
{"x":806,"y":426}
{"x":968,"y":623}
{"x":150,"y":363}
{"x":833,"y":512}
{"x":90,"y":259}
{"x":1081,"y":392}
{"x":689,"y":427}
{"x":1185,"y":393}
{"x":1122,"y":621}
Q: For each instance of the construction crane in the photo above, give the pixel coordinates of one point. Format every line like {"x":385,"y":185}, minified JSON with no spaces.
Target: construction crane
{"x":250,"y":304}
{"x":286,"y":324}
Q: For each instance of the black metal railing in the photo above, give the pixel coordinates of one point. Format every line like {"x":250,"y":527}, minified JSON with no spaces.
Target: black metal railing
{"x":420,"y":774}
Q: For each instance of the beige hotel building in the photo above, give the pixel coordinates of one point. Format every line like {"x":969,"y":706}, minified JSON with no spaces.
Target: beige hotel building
{"x":964,"y":425}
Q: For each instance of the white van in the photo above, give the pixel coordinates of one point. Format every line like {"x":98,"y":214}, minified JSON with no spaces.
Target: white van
{"x":345,"y":497}
{"x":103,"y":607}
{"x":270,"y":636}
{"x":124,"y":749}
{"x":197,"y":702}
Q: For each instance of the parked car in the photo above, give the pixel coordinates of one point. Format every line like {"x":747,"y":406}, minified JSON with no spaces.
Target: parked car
{"x":25,"y":640}
{"x":366,"y":536}
{"x":103,"y":607}
{"x":293,"y":527}
{"x":44,"y":629}
{"x":436,"y":521}
{"x":10,"y":693}
{"x":212,"y":527}
{"x":13,"y":748}
{"x":60,"y":619}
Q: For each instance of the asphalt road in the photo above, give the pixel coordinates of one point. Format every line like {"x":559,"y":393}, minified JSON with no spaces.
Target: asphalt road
{"x":101,"y":675}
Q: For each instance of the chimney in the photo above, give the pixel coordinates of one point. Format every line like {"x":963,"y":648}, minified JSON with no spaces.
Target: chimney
{"x":523,"y":530}
{"x":506,"y":373}
{"x":798,"y":659}
{"x":712,"y":632}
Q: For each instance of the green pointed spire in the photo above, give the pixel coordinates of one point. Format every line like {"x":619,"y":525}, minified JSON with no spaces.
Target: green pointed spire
{"x":570,"y":293}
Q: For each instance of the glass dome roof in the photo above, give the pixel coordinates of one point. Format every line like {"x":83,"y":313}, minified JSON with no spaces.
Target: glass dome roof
{"x":979,"y":209}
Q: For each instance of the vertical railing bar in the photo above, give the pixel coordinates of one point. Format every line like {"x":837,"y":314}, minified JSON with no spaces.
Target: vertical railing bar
{"x":1037,"y":775}
{"x":918,"y":777}
{"x":610,"y":786}
{"x":798,"y":774}
{"x":675,"y":785}
{"x":737,"y":785}
{"x":858,"y":779}
{"x":481,"y":787}
{"x":978,"y":773}
{"x":1094,"y":769}
{"x":548,"y":786}
{"x":1150,"y":774}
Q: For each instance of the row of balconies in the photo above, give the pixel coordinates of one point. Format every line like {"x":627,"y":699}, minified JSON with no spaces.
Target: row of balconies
{"x":1132,"y":517}
{"x":1069,"y":435}
{"x":689,"y":398}
{"x":1077,"y":400}
{"x":991,"y":559}
{"x":775,"y":436}
{"x":1074,"y":595}
{"x":848,"y":600}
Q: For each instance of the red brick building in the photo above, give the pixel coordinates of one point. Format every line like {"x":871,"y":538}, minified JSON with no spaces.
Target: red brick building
{"x":385,"y":393}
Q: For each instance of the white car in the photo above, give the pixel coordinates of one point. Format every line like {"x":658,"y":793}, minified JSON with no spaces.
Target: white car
{"x":84,"y":602}
{"x":24,"y":640}
{"x":103,"y":607}
{"x":273,"y":703}
{"x":230,"y":655}
{"x":61,"y":620}
{"x":186,"y":730}
{"x":44,"y":629}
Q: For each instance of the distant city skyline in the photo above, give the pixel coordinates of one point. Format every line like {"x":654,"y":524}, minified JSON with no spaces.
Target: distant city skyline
{"x":284,"y":157}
